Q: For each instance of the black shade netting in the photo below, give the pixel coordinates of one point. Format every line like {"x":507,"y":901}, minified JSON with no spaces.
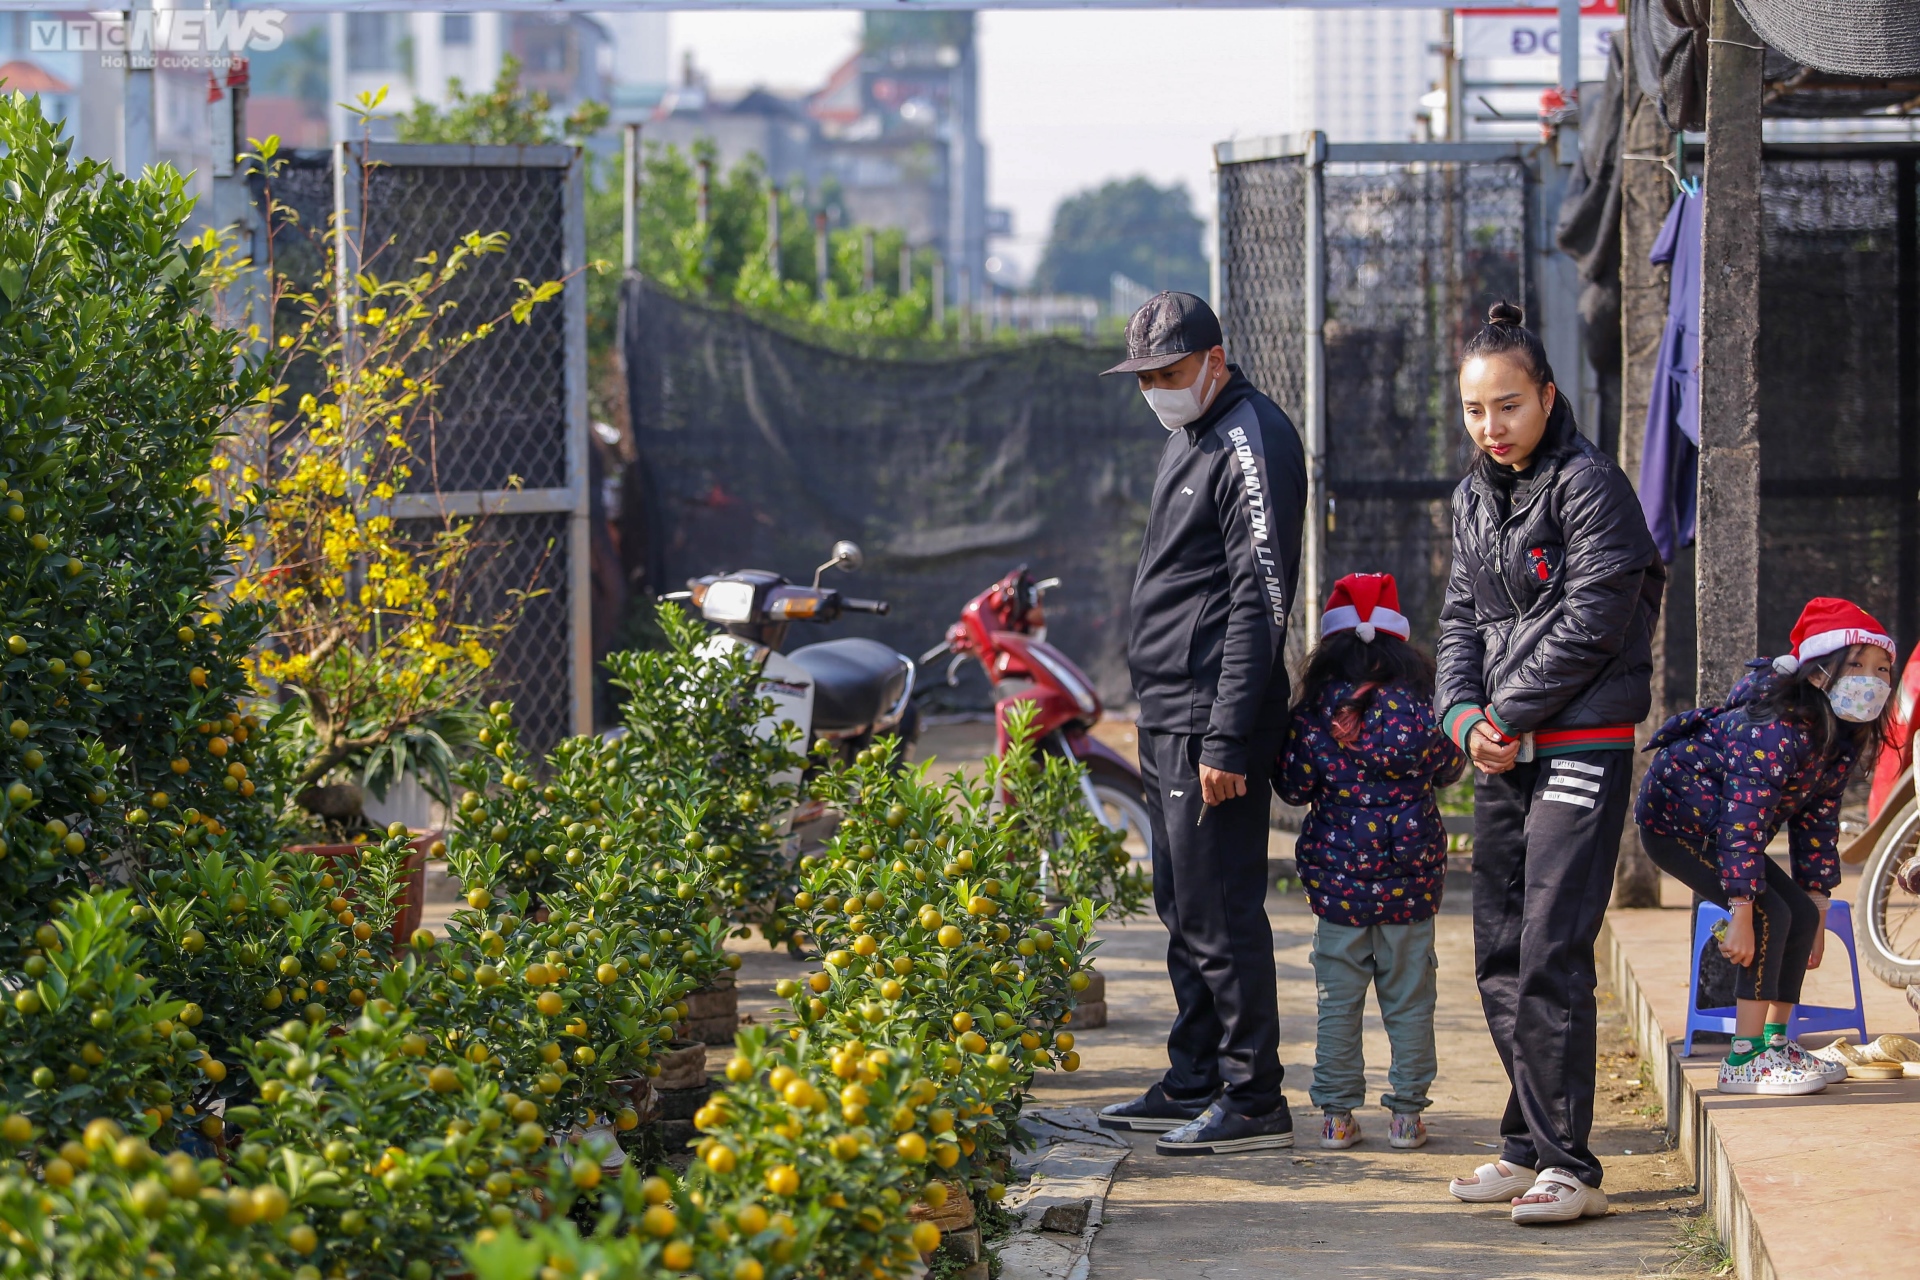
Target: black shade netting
{"x":759,"y":449}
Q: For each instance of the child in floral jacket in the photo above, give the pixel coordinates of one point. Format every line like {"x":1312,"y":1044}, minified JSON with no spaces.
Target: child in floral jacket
{"x":1364,"y":751}
{"x":1725,"y":780}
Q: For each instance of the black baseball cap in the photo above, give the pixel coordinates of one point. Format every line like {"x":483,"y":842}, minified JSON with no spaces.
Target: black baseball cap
{"x":1168,"y":329}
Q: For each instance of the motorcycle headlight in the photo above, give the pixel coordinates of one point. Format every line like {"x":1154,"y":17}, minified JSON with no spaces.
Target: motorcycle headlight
{"x":1068,"y":678}
{"x":728,"y":602}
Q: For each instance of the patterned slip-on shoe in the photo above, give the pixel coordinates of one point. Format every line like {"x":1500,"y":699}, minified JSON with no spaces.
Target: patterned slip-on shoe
{"x":1770,"y":1072}
{"x":1339,"y":1130}
{"x":1409,"y":1131}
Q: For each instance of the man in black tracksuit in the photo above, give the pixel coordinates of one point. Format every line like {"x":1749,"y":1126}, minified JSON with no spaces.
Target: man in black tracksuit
{"x":1217,"y":575}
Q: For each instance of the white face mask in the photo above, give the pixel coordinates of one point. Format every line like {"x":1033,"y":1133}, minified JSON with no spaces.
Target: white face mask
{"x":1859,"y":699}
{"x":1177,"y":406}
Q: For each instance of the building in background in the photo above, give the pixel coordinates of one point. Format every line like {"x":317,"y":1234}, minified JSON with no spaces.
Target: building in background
{"x":892,"y":139}
{"x":1358,"y":75}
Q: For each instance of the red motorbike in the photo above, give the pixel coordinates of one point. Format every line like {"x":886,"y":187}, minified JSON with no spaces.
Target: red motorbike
{"x":1004,"y":628}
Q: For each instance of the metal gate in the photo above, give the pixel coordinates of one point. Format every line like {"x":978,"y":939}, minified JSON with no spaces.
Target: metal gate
{"x":1350,"y":276}
{"x":511,"y":444}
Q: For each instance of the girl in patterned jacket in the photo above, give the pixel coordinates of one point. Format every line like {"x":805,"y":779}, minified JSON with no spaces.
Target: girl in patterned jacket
{"x":1364,"y":751}
{"x":1727,"y":779}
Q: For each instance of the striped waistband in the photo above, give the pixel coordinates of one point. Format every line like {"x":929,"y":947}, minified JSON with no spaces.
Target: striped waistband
{"x":1561,"y":742}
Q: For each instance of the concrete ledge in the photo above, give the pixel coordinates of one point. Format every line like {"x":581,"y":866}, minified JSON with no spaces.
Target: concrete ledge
{"x":1816,"y":1186}
{"x":1069,"y":1170}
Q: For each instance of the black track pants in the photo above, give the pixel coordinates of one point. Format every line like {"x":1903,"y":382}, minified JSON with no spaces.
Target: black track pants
{"x":1210,"y":888}
{"x":1785,"y":917}
{"x":1545,"y":838}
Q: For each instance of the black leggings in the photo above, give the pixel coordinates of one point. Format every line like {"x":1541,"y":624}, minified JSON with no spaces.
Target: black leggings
{"x":1786,"y":920}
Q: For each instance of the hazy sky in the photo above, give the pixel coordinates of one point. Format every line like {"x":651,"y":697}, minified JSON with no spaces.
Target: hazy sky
{"x":1068,"y":98}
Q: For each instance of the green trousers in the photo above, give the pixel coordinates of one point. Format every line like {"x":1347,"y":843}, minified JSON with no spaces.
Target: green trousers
{"x":1398,"y":962}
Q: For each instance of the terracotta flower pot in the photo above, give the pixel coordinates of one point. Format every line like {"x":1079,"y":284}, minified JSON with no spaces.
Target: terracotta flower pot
{"x":413,"y":889}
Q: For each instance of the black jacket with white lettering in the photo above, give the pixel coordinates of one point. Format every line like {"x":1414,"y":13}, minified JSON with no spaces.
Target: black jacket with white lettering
{"x":1217,"y":575}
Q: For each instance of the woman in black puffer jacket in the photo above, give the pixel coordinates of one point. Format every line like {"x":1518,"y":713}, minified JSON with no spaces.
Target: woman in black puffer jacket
{"x":1545,"y":667}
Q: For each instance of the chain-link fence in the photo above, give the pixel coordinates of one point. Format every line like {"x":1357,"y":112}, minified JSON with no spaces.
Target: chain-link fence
{"x":1415,"y":254}
{"x":1263,"y":274}
{"x":1840,"y":385}
{"x":505,"y":445}
{"x":1351,"y":277}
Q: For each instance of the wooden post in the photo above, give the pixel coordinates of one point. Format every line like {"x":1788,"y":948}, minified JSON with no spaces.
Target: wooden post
{"x":866,"y":261}
{"x":1727,"y":604}
{"x":1646,"y":194}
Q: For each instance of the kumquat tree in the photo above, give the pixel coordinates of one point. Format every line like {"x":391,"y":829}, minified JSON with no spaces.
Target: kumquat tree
{"x":220,"y":1053}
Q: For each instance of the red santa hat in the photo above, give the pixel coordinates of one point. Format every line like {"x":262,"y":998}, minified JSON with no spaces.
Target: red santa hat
{"x":1365,"y":603}
{"x":1828,"y":625}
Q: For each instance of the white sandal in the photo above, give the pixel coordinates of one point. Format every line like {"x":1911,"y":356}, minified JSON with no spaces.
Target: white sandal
{"x":1564,"y":1198}
{"x":1496,"y":1181}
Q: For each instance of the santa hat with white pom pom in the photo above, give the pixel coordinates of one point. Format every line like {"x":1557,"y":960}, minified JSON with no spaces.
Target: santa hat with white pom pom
{"x":1365,"y":604}
{"x":1828,"y":625}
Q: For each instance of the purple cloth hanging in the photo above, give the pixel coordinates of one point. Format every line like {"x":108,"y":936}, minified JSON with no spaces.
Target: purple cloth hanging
{"x":1670,"y":462}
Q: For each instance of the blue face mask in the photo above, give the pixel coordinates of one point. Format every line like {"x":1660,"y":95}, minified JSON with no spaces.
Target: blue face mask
{"x":1859,"y":699}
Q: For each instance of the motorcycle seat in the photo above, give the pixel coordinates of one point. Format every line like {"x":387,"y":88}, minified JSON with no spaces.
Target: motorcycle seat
{"x":855,"y":681}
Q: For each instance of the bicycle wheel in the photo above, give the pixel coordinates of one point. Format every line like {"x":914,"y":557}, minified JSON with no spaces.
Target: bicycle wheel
{"x":1889,"y":916}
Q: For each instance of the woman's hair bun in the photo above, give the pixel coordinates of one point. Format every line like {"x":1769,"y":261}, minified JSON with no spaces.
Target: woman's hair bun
{"x":1505,"y":313}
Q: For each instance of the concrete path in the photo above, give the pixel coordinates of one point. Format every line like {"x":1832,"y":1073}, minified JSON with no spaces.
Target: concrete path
{"x":1369,"y":1211}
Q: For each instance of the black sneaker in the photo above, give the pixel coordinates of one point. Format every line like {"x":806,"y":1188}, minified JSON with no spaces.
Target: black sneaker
{"x":1153,"y":1112}
{"x":1218,"y":1131}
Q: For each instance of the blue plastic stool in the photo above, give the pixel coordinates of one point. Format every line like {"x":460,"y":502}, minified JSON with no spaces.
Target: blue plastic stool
{"x":1806,"y":1017}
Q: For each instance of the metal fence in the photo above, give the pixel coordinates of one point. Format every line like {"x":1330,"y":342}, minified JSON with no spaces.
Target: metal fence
{"x":1350,"y":278}
{"x":508,"y":444}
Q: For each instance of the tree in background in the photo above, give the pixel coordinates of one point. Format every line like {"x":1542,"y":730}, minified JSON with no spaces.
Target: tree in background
{"x":506,"y":114}
{"x":1146,"y":232}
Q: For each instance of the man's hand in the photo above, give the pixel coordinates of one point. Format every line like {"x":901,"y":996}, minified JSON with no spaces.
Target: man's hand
{"x":1489,"y":754}
{"x":1217,"y":785}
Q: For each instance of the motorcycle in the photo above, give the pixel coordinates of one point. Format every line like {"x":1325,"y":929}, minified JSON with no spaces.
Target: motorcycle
{"x":1004,"y":628}
{"x":848,"y":691}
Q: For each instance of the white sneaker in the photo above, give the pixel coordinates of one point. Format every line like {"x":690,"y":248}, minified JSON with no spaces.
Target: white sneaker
{"x":1558,"y":1196}
{"x":1770,"y":1072}
{"x":1806,"y":1061}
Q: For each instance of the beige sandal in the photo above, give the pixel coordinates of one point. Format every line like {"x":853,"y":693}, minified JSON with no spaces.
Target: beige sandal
{"x":1558,"y":1196}
{"x":1492,"y":1183}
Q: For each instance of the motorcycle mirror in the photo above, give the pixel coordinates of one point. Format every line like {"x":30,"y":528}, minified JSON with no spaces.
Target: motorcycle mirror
{"x":846,"y":555}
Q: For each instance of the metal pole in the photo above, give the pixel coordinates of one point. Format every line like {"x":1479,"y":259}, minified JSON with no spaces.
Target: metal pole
{"x":702,"y":211}
{"x":1727,"y":559}
{"x":966,"y":305}
{"x":820,"y":254}
{"x":773,"y":230}
{"x":1570,"y":76}
{"x":906,"y":270}
{"x":939,"y":282}
{"x":630,"y":198}
{"x":579,"y":529}
{"x":136,"y":111}
{"x":1314,"y":408}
